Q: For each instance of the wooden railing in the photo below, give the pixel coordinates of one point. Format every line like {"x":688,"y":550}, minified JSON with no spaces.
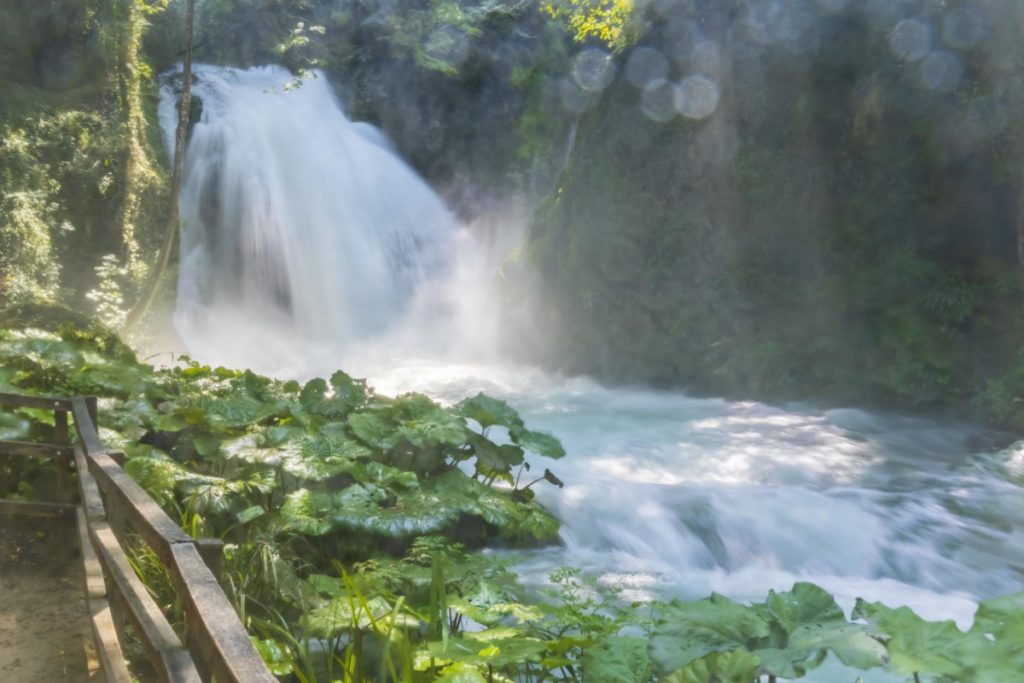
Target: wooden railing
{"x":112,"y":507}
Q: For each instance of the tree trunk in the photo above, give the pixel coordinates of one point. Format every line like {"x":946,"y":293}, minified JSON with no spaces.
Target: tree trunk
{"x":163,"y":258}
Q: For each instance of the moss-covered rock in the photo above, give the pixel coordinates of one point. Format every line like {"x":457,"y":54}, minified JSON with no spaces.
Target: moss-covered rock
{"x":837,"y":227}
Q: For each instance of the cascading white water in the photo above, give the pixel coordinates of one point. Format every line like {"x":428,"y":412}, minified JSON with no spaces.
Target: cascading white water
{"x":298,"y":225}
{"x":304,"y":232}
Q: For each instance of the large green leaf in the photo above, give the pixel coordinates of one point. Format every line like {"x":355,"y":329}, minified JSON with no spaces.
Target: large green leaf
{"x":158,"y":474}
{"x":367,"y":508}
{"x":804,"y":604}
{"x":618,"y":659}
{"x":807,"y":646}
{"x":275,"y":656}
{"x":1001,"y":618}
{"x":488,"y":412}
{"x":438,"y":428}
{"x":497,"y":647}
{"x":374,"y":430}
{"x":396,"y":506}
{"x":233,"y":411}
{"x":687,"y":631}
{"x":349,"y":393}
{"x":719,"y":667}
{"x":313,"y":394}
{"x":811,"y":622}
{"x":350,"y":613}
{"x":490,"y":612}
{"x":853,"y":644}
{"x":993,"y":650}
{"x":515,"y":519}
{"x":494,"y":458}
{"x":915,"y":646}
{"x":461,"y":672}
{"x":540,"y":443}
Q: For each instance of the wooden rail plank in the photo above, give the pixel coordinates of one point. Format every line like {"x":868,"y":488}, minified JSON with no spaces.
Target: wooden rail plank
{"x":38,"y":402}
{"x":29,"y":449}
{"x":92,"y":404}
{"x":101,"y":622}
{"x":216,"y":637}
{"x":88,"y":492}
{"x":92,"y":576}
{"x":162,"y":643}
{"x":115,"y":670}
{"x":86,"y":426}
{"x":36,"y":508}
{"x":63,"y":465}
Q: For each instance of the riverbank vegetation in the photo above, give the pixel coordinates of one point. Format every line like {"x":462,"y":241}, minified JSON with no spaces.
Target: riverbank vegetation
{"x":363,"y":537}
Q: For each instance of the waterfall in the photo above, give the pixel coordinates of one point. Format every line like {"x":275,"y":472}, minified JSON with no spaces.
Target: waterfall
{"x":298,"y":224}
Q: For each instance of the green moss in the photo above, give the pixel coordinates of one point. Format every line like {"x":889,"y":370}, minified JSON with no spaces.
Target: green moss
{"x":76,"y":149}
{"x":833,"y":252}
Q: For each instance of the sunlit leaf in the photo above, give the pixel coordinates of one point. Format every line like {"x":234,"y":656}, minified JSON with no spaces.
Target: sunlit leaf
{"x":915,"y":646}
{"x":687,"y":631}
{"x":617,"y":660}
{"x":718,"y":667}
{"x":488,"y":412}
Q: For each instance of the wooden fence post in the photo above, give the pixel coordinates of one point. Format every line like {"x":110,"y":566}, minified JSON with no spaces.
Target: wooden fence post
{"x":212,"y":552}
{"x":63,"y":464}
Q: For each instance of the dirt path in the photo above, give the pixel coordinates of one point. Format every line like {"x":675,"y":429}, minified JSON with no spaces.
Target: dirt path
{"x":43,"y":622}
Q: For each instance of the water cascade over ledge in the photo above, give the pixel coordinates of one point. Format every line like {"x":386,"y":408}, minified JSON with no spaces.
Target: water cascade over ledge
{"x":298,"y":225}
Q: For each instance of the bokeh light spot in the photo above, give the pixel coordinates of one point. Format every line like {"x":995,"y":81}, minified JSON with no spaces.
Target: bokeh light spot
{"x":911,"y":40}
{"x":659,"y":101}
{"x":963,"y":28}
{"x":697,"y":97}
{"x":941,"y":71}
{"x":593,"y":69}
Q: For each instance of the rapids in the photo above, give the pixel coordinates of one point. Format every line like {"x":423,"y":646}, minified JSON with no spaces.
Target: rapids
{"x":307,"y":245}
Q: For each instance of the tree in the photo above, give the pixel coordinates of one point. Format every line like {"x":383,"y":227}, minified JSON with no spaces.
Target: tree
{"x":164,"y":257}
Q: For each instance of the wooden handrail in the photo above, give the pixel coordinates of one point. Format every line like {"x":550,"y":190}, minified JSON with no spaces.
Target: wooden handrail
{"x":150,"y":625}
{"x":28,"y":449}
{"x":214,"y":635}
{"x":215,"y":644}
{"x":37,"y":402}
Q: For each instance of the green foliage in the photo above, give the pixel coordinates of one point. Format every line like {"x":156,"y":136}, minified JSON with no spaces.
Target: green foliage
{"x":609,"y":21}
{"x":785,"y":637}
{"x":78,"y":178}
{"x":619,"y":659}
{"x":108,"y":297}
{"x":718,"y":667}
{"x":326,"y":458}
{"x":438,"y":35}
{"x":991,"y":650}
{"x":686,"y":632}
{"x":852,"y":260}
